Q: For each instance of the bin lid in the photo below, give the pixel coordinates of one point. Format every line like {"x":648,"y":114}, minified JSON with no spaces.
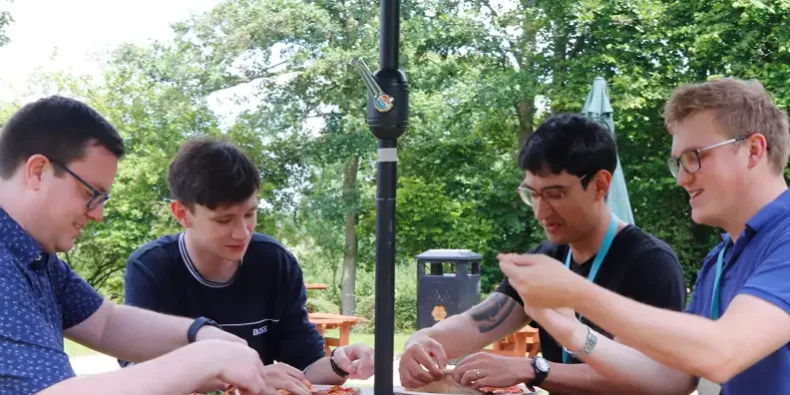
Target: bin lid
{"x":454,"y":255}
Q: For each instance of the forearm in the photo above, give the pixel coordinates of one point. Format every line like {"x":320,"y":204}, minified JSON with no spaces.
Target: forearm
{"x":152,"y":334}
{"x":471,"y":331}
{"x":320,"y":372}
{"x":641,"y":326}
{"x":174,"y":373}
{"x":579,"y":379}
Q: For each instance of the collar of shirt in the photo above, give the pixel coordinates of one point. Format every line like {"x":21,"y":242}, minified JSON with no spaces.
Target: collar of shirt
{"x":20,"y":243}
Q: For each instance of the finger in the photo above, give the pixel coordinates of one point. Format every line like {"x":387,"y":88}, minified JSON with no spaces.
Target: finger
{"x":469,"y":377}
{"x":424,"y":358}
{"x":437,"y":352}
{"x":419,"y":375}
{"x":296,"y":388}
{"x":486,"y":381}
{"x":291,"y":371}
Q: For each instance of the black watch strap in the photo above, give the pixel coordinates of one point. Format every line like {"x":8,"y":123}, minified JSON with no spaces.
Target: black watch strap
{"x":540,"y":374}
{"x":195,"y":327}
{"x":338,"y":371}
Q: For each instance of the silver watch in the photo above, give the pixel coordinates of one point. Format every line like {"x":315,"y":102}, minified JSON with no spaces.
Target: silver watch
{"x":587,"y":348}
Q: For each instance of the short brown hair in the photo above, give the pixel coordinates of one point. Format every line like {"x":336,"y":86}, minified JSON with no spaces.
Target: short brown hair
{"x":212,"y":173}
{"x":742,"y":107}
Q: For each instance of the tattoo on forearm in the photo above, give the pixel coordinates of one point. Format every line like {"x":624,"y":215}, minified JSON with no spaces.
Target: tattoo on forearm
{"x":492,"y":312}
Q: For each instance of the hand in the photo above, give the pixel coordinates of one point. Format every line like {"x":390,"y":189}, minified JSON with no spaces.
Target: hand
{"x":234,"y":364}
{"x":422,"y":352}
{"x":207,"y":332}
{"x":541,"y":281}
{"x":356,"y":359}
{"x":562,"y":324}
{"x":285,"y":377}
{"x":490,"y":370}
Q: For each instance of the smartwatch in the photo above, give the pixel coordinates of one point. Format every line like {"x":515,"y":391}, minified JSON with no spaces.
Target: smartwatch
{"x":542,"y":368}
{"x":195,"y":327}
{"x":335,"y":368}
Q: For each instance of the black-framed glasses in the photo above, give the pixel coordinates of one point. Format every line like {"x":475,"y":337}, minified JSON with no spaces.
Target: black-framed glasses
{"x":97,"y":199}
{"x":691,"y":160}
{"x":552,"y":195}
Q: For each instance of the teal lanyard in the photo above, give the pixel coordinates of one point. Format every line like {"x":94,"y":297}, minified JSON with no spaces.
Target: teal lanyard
{"x":596,"y":265}
{"x":715,"y":303}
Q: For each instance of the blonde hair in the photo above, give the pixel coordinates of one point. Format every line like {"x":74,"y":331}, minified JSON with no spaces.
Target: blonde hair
{"x":742,"y":108}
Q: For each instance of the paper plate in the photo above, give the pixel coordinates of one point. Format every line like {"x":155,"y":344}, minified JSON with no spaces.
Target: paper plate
{"x":402,"y":391}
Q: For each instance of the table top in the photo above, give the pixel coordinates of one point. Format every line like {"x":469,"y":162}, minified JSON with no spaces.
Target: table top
{"x":316,"y":286}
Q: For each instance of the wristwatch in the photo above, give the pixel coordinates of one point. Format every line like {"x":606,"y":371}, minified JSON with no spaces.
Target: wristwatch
{"x":335,"y":368}
{"x":542,"y":368}
{"x":195,"y":327}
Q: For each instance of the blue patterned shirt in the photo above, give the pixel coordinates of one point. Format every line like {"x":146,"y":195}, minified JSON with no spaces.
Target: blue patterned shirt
{"x":40,"y":297}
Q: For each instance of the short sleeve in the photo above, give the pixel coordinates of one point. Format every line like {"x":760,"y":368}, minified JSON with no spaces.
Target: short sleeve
{"x":78,"y":299}
{"x":31,"y":350}
{"x":769,"y":279}
{"x":142,"y":289}
{"x":299,"y":343}
{"x":655,"y":278}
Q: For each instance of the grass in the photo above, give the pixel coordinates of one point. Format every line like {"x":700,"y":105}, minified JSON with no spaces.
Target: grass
{"x":77,"y":350}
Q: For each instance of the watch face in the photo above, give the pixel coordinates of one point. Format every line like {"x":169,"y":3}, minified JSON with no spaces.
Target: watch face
{"x":541,"y":364}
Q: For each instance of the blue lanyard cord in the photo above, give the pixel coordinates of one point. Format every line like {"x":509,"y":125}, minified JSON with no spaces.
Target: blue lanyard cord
{"x":715,"y":303}
{"x":596,"y":265}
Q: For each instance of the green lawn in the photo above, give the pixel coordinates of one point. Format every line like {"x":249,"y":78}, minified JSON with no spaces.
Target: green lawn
{"x":77,"y":350}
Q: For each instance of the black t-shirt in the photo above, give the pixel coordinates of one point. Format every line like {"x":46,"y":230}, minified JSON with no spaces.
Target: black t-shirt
{"x":638,"y":266}
{"x":264,"y":303}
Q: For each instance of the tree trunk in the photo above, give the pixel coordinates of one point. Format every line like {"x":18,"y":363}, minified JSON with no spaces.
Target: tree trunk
{"x":348,"y":300}
{"x":526,"y":116}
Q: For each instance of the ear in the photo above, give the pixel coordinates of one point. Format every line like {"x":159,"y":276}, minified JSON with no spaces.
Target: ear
{"x":180,"y":212}
{"x":33,"y":171}
{"x":758,"y":148}
{"x":601,"y":182}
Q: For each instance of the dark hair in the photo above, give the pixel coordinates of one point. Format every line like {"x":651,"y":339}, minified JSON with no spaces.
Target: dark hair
{"x":572,"y":143}
{"x":212,"y":173}
{"x":56,"y":127}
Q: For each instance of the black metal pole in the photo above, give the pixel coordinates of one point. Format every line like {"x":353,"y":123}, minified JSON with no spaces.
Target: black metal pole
{"x":387,"y":124}
{"x":385,"y":270}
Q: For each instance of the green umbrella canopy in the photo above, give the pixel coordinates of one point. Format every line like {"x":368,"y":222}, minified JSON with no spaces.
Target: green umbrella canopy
{"x":599,"y":108}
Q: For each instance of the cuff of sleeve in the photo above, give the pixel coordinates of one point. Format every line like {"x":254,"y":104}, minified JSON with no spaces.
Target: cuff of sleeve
{"x":770,"y":298}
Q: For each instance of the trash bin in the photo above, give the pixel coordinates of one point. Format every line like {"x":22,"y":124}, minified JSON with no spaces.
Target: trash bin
{"x":448,"y":283}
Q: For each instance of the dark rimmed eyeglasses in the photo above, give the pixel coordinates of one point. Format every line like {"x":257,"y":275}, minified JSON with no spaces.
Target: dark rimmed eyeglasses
{"x":691,"y":160}
{"x":97,"y":199}
{"x":552,"y":195}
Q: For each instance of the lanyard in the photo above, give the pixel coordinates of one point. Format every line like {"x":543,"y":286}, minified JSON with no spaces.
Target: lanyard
{"x":716,"y":298}
{"x":596,"y":265}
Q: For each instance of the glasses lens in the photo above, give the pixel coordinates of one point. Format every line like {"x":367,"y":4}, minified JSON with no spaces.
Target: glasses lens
{"x":525,"y":196}
{"x":690,"y":161}
{"x":673,"y":167}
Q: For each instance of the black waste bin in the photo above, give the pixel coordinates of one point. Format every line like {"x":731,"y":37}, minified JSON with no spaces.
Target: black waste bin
{"x":449,"y":284}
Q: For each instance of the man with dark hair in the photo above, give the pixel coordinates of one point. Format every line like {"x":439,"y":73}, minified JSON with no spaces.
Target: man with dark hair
{"x":219,"y":268}
{"x":730,"y":146}
{"x":568,"y":164}
{"x":58,"y":159}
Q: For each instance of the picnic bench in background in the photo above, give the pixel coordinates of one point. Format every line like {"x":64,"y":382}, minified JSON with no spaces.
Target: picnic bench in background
{"x":321,"y":287}
{"x":523,"y":343}
{"x":344,"y":323}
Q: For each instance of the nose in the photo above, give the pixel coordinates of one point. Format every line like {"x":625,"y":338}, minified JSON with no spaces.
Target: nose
{"x":684,"y":178}
{"x":96,"y":214}
{"x":541,"y":209}
{"x":240,"y":231}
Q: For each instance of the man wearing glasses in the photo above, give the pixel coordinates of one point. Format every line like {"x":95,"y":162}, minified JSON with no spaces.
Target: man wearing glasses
{"x":568,"y":164}
{"x":58,"y":159}
{"x":730,"y":147}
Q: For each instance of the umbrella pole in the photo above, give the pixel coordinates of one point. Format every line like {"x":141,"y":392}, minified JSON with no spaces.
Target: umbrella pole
{"x":387,"y":119}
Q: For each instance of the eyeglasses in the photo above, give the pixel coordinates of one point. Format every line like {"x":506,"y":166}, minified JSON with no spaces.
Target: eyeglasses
{"x":552,"y":195}
{"x":691,"y":161}
{"x":98,"y":198}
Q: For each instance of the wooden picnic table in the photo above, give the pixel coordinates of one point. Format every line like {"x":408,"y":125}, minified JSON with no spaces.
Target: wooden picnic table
{"x":524,"y":342}
{"x":344,"y":323}
{"x":316,"y":286}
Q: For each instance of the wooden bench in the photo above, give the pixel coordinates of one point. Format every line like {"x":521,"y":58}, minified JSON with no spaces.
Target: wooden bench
{"x":344,"y":323}
{"x":523,"y":343}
